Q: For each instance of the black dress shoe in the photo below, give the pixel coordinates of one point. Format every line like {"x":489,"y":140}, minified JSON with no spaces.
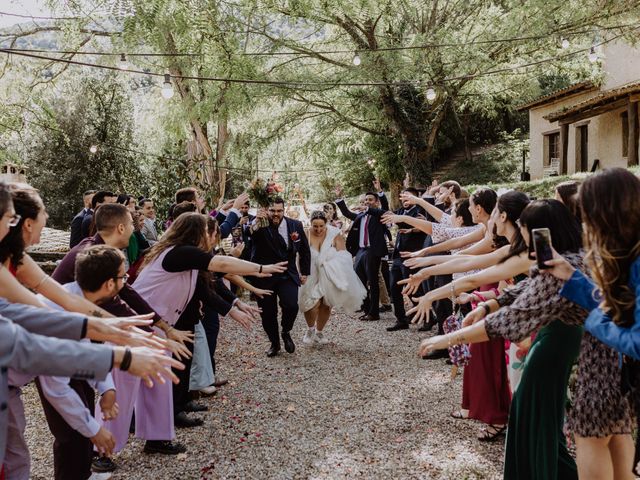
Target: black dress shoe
{"x":289,"y":346}
{"x":385,"y":308}
{"x":164,"y":446}
{"x":192,"y":406}
{"x":103,"y":464}
{"x":370,"y":318}
{"x":398,"y":326}
{"x":182,"y":420}
{"x":436,"y":354}
{"x":273,"y":351}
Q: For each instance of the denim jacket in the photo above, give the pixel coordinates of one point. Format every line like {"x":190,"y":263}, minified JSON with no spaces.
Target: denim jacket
{"x":581,"y":290}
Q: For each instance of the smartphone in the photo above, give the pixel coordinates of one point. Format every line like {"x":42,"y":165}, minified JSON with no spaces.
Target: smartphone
{"x":542,"y":246}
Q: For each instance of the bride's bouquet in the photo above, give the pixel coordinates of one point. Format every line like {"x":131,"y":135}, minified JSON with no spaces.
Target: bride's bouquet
{"x":262,"y":192}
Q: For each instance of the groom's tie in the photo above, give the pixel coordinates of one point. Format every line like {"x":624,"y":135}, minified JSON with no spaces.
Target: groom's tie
{"x":366,"y":231}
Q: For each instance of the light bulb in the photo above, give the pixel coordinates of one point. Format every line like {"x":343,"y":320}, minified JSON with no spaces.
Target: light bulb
{"x":167,"y":88}
{"x":593,"y":56}
{"x":565,"y":43}
{"x":431,"y":94}
{"x":93,"y":148}
{"x":356,"y":60}
{"x":123,"y":65}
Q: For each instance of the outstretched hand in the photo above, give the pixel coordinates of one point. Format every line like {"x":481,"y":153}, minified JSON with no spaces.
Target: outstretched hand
{"x":411,"y":284}
{"x":421,"y":311}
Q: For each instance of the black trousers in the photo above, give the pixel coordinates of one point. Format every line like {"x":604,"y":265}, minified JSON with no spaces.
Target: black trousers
{"x":399,"y":272}
{"x":367,"y":267}
{"x":181,"y":390}
{"x":72,"y":453}
{"x":443,"y":308}
{"x":211,"y":324}
{"x":285,"y":290}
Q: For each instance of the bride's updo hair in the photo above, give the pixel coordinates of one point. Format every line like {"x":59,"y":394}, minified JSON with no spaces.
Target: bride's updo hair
{"x":318,"y":215}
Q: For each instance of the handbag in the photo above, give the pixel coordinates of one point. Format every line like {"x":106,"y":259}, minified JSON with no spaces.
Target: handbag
{"x":458,"y":354}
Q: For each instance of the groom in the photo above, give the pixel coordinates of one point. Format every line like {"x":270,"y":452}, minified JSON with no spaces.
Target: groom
{"x":282,"y":240}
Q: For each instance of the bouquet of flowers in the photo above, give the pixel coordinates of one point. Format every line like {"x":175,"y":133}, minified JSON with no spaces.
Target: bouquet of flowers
{"x":262,"y":192}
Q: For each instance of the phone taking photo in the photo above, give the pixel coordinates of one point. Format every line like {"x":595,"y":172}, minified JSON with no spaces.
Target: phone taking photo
{"x":542,"y":246}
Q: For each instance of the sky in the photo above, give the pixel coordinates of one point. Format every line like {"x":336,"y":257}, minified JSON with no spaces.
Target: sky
{"x":21,"y":7}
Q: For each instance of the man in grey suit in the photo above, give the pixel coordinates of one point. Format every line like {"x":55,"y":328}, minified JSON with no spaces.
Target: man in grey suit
{"x":149,"y":228}
{"x":26,"y":346}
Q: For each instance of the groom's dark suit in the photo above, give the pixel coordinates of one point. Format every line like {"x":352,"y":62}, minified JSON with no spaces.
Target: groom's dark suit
{"x":269,"y":247}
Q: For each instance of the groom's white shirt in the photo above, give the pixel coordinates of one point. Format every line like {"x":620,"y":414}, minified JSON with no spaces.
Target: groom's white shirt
{"x":282,"y":230}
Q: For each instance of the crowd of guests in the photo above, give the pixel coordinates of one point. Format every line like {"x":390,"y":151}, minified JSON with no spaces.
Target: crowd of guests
{"x":462,"y":263}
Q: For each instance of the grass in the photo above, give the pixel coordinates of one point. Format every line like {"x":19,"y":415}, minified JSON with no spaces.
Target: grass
{"x":543,"y":188}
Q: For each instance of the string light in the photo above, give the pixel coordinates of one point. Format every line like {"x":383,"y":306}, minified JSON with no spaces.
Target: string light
{"x":565,"y":43}
{"x":593,"y":56}
{"x":123,"y":65}
{"x":431,"y":94}
{"x":356,"y":60}
{"x":93,"y":148}
{"x":167,"y":88}
{"x":509,"y":70}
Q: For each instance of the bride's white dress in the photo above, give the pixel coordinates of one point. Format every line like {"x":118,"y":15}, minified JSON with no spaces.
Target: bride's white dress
{"x":332,"y":278}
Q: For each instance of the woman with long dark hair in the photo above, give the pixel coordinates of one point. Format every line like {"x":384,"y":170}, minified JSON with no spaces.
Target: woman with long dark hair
{"x":535,"y":441}
{"x":168,"y":281}
{"x":610,"y":207}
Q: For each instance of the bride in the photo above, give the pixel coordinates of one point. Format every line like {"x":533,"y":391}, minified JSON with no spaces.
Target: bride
{"x":332,"y":283}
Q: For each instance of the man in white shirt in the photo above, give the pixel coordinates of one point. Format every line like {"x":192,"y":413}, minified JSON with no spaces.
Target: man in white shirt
{"x":69,"y":403}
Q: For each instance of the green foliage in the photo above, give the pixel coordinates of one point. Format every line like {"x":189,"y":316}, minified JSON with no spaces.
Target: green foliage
{"x":61,"y":166}
{"x":543,"y":188}
{"x":500,"y":163}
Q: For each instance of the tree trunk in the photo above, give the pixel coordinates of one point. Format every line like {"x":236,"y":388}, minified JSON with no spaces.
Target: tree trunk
{"x":394,"y":191}
{"x":221,"y":156}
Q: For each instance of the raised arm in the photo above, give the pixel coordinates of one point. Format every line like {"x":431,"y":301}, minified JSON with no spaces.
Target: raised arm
{"x":503,"y":271}
{"x":423,"y":225}
{"x":432,"y":210}
{"x":455,"y":243}
{"x":345,"y":210}
{"x":14,"y":292}
{"x":225,"y":264}
{"x":465,"y":263}
{"x":482,"y":247}
{"x":30,"y":274}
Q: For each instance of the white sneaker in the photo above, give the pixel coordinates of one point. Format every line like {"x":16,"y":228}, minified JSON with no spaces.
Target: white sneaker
{"x":210,"y":390}
{"x":321,"y":339}
{"x":309,"y":337}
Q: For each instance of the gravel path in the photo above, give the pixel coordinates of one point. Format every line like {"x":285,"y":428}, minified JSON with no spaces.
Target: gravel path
{"x":362,"y":406}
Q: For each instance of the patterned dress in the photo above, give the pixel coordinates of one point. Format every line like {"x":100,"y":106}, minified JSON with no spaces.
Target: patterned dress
{"x":535,"y":443}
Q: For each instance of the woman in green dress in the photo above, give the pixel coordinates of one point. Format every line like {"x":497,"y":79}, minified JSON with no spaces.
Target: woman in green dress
{"x":536,"y":447}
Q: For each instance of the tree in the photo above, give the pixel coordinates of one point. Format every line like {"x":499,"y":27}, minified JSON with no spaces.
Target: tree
{"x":89,"y":113}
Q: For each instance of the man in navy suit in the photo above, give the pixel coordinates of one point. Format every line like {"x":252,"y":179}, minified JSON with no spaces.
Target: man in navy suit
{"x":283,"y":240}
{"x":366,"y":241}
{"x":76,"y":224}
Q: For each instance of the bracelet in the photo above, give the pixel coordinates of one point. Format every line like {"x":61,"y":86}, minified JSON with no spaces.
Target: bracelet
{"x":126,"y":360}
{"x":260,"y":270}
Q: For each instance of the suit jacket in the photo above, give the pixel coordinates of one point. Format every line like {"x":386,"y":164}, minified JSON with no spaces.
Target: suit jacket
{"x":269,"y":247}
{"x":150,"y":231}
{"x":26,"y":346}
{"x":85,"y":227}
{"x":76,"y":228}
{"x":377,"y":230}
{"x":227,"y":222}
{"x":408,"y":242}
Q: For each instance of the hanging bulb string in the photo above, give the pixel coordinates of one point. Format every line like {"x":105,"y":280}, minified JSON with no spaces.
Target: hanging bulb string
{"x":340,"y":51}
{"x":293,"y":83}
